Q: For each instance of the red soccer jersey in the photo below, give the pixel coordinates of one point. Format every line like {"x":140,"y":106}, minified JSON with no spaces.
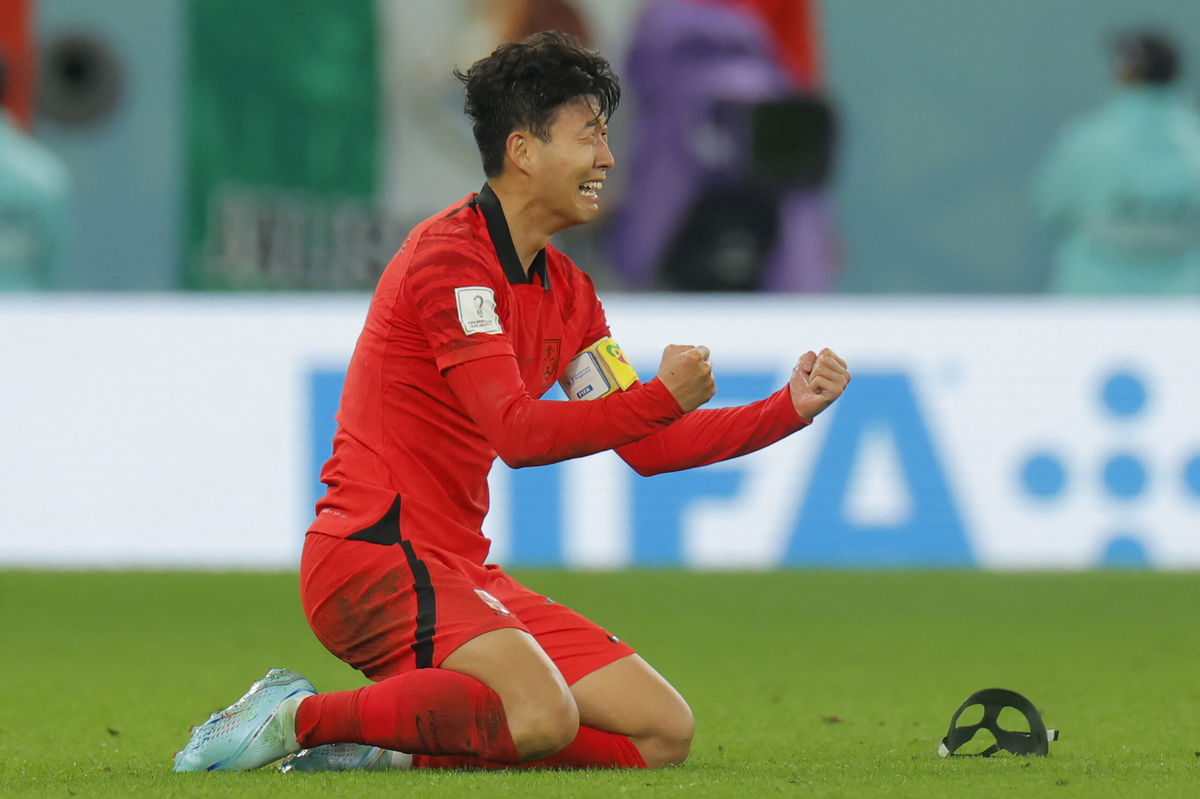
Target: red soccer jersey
{"x":454,"y":292}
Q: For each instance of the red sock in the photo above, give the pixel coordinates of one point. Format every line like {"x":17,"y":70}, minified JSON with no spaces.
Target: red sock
{"x":428,"y":711}
{"x":590,"y":749}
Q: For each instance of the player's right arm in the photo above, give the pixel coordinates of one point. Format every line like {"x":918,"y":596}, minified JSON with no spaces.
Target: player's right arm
{"x":454,"y":297}
{"x":687,"y":374}
{"x":529,"y":432}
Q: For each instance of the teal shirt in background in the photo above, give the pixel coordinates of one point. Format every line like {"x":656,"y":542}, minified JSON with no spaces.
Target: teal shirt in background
{"x":33,"y":211}
{"x":1122,"y":190}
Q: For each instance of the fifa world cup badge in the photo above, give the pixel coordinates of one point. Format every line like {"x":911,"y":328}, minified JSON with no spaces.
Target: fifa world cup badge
{"x":477,"y":310}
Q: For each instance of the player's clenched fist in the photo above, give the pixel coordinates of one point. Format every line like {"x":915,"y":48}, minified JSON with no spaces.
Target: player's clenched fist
{"x":817,"y":381}
{"x":687,"y":374}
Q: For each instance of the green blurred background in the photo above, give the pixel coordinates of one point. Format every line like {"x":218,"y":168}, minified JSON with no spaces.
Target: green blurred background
{"x":236,"y":117}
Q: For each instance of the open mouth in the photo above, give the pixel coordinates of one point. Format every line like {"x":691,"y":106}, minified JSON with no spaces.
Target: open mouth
{"x":591,"y":188}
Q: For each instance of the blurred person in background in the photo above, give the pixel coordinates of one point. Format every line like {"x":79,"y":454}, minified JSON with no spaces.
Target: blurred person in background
{"x":1121,"y":188}
{"x":731,"y":151}
{"x":33,"y":206}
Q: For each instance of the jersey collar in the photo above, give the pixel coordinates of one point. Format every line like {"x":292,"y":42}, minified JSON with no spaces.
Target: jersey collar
{"x":497,"y":226}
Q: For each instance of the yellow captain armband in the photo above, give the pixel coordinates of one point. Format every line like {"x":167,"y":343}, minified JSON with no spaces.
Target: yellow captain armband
{"x":598,"y":371}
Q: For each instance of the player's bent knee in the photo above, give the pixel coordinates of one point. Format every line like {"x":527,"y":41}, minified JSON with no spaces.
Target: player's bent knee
{"x":539,"y":708}
{"x":545,"y":728}
{"x":661,"y":751}
{"x":670,"y":741}
{"x":669,"y":753}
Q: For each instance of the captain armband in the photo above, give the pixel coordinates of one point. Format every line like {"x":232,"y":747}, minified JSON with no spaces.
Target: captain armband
{"x":598,"y":371}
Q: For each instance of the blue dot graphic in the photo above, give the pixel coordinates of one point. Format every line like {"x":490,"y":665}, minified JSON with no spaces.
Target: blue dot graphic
{"x":1191,"y":475}
{"x":1043,"y":476}
{"x":1125,"y":552}
{"x":1124,"y":394}
{"x":1124,"y":476}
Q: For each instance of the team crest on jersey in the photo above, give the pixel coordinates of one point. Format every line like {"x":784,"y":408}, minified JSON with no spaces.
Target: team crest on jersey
{"x":551,"y":348}
{"x":492,"y":602}
{"x":477,"y":310}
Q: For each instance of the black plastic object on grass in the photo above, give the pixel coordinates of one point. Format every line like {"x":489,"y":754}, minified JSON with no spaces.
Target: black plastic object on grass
{"x":994,"y":700}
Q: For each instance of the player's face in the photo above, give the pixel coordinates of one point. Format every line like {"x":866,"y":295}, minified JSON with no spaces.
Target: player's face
{"x":569,"y":170}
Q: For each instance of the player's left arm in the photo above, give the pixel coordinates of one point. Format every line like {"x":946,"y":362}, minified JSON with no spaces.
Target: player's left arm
{"x":702,"y":436}
{"x":708,"y":436}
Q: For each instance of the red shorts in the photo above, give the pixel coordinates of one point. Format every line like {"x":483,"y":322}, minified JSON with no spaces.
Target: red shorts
{"x":388,"y":609}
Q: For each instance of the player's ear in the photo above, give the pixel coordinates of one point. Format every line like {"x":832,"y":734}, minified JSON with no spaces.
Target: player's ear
{"x":517,"y":150}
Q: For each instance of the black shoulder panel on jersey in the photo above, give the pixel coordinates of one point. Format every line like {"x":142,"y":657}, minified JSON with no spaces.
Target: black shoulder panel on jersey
{"x":455,"y":212}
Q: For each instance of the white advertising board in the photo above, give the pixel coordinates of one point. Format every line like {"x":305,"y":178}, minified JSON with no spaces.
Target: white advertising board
{"x":187,"y":431}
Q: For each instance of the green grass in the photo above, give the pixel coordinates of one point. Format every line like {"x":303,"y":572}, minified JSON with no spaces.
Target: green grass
{"x":803,"y":683}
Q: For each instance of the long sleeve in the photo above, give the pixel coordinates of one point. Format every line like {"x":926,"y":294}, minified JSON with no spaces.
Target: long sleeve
{"x":707,"y":436}
{"x":529,"y":432}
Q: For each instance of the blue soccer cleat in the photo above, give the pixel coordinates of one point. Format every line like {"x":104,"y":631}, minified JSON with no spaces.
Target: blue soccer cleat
{"x":346,"y":757}
{"x":256,"y":730}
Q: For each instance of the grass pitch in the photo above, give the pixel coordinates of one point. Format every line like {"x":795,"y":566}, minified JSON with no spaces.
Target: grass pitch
{"x":803,"y":683}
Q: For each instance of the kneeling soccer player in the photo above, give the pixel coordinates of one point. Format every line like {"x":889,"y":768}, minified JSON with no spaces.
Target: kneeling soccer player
{"x":475,"y":318}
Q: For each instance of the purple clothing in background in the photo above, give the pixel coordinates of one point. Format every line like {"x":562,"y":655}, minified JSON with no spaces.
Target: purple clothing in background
{"x":685,"y":57}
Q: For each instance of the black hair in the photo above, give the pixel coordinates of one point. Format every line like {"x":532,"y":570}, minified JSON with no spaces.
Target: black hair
{"x":1147,"y":56}
{"x":522,"y":84}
